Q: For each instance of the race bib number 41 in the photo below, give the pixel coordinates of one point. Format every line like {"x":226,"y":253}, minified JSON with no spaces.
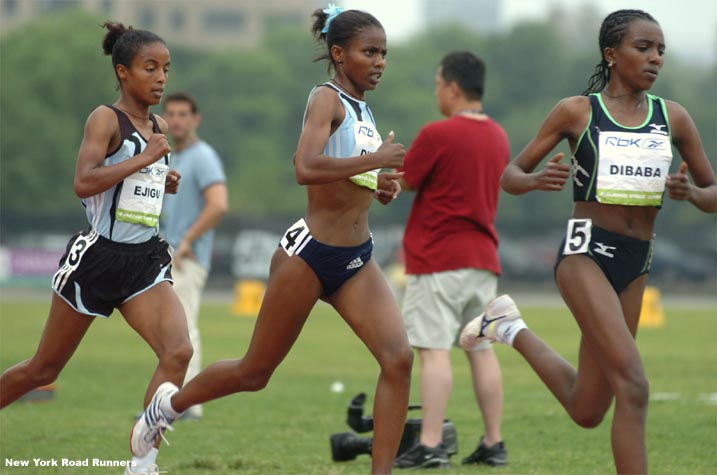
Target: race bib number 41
{"x":632,"y":168}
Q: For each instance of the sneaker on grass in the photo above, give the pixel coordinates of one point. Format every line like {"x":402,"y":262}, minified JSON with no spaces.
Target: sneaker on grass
{"x":420,"y":456}
{"x":495,"y":455}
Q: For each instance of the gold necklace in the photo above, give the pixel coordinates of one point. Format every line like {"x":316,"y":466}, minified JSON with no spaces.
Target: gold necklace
{"x":639,"y":102}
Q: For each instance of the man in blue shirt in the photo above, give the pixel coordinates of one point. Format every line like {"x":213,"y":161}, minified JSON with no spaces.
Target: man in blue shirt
{"x":188,"y":218}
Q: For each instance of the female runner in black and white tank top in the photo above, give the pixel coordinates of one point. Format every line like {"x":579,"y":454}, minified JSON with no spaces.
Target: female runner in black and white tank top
{"x":119,"y":262}
{"x":621,"y":137}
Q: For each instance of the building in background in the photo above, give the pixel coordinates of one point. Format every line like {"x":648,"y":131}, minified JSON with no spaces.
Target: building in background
{"x":208,"y":24}
{"x":479,"y":16}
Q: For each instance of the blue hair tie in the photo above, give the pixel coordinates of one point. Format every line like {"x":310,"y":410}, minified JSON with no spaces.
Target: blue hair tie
{"x":332,"y":11}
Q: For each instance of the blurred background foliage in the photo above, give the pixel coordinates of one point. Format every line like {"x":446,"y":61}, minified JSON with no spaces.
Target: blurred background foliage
{"x":53,"y":73}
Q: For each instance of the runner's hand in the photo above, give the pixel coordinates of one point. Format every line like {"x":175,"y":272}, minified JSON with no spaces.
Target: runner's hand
{"x":157,"y":147}
{"x":678,"y":185}
{"x":553,"y":175}
{"x":171,"y":183}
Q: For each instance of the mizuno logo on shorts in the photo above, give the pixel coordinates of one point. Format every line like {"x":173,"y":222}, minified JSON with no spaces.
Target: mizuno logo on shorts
{"x":355,"y":264}
{"x":604,"y":249}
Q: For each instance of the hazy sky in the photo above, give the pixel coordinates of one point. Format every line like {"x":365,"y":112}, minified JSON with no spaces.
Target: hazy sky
{"x":690,"y":26}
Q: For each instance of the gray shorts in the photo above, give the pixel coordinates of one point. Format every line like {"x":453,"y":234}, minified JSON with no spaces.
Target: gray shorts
{"x":437,"y":306}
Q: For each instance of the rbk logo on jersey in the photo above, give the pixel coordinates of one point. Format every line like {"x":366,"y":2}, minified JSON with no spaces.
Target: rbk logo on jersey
{"x":648,"y":143}
{"x":655,"y":144}
{"x":158,"y":172}
{"x":364,"y":130}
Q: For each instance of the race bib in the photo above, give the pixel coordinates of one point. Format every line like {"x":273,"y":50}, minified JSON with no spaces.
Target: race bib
{"x":577,"y":237}
{"x":74,"y":256}
{"x":296,"y":237}
{"x":367,"y":141}
{"x":632,"y":168}
{"x":142,"y":194}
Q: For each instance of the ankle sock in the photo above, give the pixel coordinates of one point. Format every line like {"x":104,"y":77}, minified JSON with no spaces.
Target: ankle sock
{"x":509,"y":330}
{"x":142,"y":463}
{"x":166,"y":406}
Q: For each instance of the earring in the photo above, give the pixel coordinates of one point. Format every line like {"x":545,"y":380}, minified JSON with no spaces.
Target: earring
{"x":341,"y":62}
{"x":609,"y":64}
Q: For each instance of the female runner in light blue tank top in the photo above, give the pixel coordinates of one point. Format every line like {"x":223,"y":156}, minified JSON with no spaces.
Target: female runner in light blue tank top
{"x":340,"y":190}
{"x":609,"y":366}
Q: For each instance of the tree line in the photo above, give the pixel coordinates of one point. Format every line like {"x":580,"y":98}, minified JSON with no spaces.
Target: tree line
{"x":53,"y":74}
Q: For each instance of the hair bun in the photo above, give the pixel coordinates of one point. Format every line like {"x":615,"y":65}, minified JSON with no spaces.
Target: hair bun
{"x":114,"y":32}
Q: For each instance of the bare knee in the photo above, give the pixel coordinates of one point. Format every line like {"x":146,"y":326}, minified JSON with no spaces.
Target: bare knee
{"x":254,"y":379}
{"x":634,"y":392}
{"x":397,"y":364}
{"x":589,"y":419}
{"x":42,"y":373}
{"x":177,"y":356}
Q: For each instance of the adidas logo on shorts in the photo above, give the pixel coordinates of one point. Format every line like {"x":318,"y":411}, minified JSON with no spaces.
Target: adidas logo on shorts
{"x":355,"y":264}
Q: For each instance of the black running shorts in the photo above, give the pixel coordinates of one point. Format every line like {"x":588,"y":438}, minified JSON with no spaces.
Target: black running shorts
{"x":97,"y":275}
{"x":621,"y":258}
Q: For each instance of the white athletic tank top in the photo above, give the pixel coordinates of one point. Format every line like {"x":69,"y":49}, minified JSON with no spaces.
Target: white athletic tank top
{"x":105,"y":211}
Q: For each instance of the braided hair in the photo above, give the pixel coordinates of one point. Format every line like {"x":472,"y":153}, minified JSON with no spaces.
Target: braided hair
{"x":612,"y":31}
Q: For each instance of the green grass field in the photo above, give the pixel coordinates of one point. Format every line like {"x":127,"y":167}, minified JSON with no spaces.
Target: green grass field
{"x":285,"y":428}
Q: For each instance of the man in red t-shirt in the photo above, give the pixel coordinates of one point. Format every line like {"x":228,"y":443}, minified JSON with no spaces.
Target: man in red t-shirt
{"x":451,"y":248}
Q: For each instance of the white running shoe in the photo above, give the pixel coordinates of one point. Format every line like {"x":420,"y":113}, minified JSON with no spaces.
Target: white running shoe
{"x":500,"y":322}
{"x":152,"y":423}
{"x":149,"y":470}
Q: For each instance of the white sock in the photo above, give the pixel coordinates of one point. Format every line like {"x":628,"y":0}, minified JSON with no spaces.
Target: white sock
{"x":138,"y":464}
{"x":509,"y":330}
{"x":166,"y":406}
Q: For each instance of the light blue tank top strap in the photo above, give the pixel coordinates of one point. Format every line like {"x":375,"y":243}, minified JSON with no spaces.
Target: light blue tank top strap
{"x":356,"y":136}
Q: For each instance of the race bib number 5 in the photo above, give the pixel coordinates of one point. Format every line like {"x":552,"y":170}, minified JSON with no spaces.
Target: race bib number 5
{"x":296,"y":237}
{"x":578,"y":236}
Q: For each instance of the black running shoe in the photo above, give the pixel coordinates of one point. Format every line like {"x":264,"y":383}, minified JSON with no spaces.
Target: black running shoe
{"x":496,"y":455}
{"x":420,"y":456}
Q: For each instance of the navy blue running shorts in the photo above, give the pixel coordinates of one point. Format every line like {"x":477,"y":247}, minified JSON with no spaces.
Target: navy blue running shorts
{"x":333,"y":265}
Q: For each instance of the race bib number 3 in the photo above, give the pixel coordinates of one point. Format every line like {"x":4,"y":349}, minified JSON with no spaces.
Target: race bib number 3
{"x":296,"y":237}
{"x":74,"y":256}
{"x":577,"y":239}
